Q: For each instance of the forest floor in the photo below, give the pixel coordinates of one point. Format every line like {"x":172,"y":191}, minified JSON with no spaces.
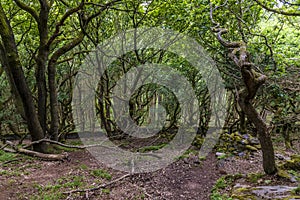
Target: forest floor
{"x":24,"y":177}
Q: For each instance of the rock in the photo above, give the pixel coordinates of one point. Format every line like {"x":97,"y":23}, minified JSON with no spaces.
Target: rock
{"x":220,"y":154}
{"x":282,"y":157}
{"x":252,"y":148}
{"x":241,"y":154}
{"x":279,"y":156}
{"x":254,"y":141}
{"x":246,"y":136}
{"x":293,"y":179}
{"x":272,"y":192}
{"x":293,"y":164}
{"x":283,"y":174}
{"x":243,"y":192}
{"x":245,"y":142}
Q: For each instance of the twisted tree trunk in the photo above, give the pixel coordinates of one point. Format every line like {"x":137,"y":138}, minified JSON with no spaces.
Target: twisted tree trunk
{"x":252,"y":81}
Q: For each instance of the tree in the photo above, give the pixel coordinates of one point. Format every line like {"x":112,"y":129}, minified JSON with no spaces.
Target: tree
{"x":253,"y":80}
{"x":46,"y":56}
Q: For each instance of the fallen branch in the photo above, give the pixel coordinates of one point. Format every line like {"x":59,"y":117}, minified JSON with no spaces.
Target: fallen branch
{"x":99,"y":186}
{"x":49,"y":157}
{"x":10,"y":161}
{"x":54,"y":142}
{"x":66,"y":145}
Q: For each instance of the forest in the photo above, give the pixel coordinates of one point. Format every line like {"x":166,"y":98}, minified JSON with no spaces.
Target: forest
{"x":150,"y":99}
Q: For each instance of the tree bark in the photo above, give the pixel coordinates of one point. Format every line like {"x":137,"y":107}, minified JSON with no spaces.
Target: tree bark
{"x":263,"y":135}
{"x":252,"y":81}
{"x":52,"y":84}
{"x":41,"y":62}
{"x":15,"y":71}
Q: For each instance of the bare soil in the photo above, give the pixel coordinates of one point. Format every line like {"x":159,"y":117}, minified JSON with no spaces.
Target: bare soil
{"x":188,"y":178}
{"x":28,"y":178}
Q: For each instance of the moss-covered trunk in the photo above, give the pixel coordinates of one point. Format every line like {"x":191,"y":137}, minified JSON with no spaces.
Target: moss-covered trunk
{"x":14,"y":70}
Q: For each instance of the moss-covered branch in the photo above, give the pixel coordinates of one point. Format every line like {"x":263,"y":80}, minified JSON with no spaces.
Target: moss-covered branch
{"x":28,"y":9}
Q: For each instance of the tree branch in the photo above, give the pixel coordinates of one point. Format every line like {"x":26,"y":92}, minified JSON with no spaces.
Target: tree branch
{"x":277,"y":11}
{"x":62,"y":21}
{"x":49,"y":157}
{"x":28,"y":9}
{"x":61,"y":51}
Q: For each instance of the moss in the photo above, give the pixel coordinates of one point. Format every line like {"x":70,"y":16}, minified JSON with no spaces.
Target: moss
{"x":151,"y":148}
{"x":297,"y":190}
{"x":243,"y":193}
{"x":101,"y":173}
{"x":5,"y":157}
{"x":293,"y":164}
{"x":254,"y":177}
{"x":252,"y":148}
{"x":283,"y":174}
{"x":291,"y":197}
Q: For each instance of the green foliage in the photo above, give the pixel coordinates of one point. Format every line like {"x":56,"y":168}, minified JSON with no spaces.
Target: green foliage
{"x":105,"y":191}
{"x":221,"y":184}
{"x":254,"y":177}
{"x":83,"y":167}
{"x":55,"y":191}
{"x":101,"y":174}
{"x":4,"y":156}
{"x":293,"y":164}
{"x":297,"y":190}
{"x":151,"y":148}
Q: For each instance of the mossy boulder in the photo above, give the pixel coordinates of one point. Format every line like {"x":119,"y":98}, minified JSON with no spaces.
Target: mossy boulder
{"x":252,"y":148}
{"x":236,"y":142}
{"x":293,"y":164}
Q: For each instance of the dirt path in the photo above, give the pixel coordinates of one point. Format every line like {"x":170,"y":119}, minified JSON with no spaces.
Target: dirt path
{"x":34,"y":179}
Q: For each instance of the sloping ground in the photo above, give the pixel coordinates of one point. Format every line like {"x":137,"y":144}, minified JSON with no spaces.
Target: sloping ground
{"x":27,"y":178}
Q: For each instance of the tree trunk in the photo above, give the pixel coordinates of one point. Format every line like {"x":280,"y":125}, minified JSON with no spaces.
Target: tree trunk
{"x":41,"y":62}
{"x":53,"y":101}
{"x":252,"y":81}
{"x":14,"y":69}
{"x":243,"y":122}
{"x":263,"y":135}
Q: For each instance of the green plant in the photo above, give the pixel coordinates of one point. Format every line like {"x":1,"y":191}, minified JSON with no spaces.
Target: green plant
{"x":221,"y":184}
{"x":187,"y":153}
{"x":83,"y":167}
{"x":101,"y":173}
{"x":105,"y":191}
{"x":297,"y":190}
{"x":5,"y":157}
{"x":254,"y":177}
{"x":151,"y":148}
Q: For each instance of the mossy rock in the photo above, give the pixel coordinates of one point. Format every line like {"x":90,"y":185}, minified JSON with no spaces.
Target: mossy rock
{"x":242,"y":193}
{"x":293,"y":164}
{"x":291,"y":197}
{"x":283,"y":174}
{"x":252,"y":148}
